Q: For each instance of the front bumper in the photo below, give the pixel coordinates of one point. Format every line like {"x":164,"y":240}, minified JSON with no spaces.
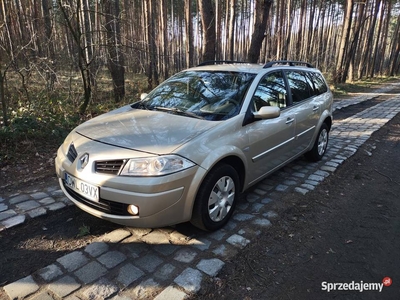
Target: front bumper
{"x":116,"y":212}
{"x":162,"y":201}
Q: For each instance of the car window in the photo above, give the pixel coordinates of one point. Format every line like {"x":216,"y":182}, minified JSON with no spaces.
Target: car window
{"x":319,"y":83}
{"x":299,"y":86}
{"x":271,"y":91}
{"x":211,"y":95}
{"x":313,"y":90}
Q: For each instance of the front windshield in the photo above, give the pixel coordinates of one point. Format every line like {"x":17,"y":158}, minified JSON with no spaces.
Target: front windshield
{"x":210,"y":95}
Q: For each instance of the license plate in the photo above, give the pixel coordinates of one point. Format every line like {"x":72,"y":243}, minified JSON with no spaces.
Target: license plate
{"x":83,"y":188}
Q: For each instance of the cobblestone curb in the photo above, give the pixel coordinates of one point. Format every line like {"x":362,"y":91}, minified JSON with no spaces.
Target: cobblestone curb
{"x":19,"y":207}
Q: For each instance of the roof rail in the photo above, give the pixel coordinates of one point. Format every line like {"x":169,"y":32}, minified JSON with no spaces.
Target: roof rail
{"x":220,"y":62}
{"x":291,"y":63}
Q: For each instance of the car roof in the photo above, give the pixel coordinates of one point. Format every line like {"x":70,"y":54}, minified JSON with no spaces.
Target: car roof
{"x":232,"y":66}
{"x":239,"y":67}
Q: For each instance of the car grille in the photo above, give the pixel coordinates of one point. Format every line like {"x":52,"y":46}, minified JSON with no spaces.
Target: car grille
{"x":105,"y":206}
{"x":109,"y":166}
{"x":72,"y":153}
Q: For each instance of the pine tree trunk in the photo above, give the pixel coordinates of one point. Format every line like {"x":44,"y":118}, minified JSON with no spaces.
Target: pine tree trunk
{"x":208,"y":27}
{"x":115,"y":59}
{"x":3,"y":99}
{"x":340,"y":74}
{"x":261,"y":18}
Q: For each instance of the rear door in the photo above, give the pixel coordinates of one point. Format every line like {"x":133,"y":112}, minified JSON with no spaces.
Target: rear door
{"x":306,"y":108}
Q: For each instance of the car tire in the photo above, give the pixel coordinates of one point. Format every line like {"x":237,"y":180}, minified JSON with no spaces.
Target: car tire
{"x":320,"y":145}
{"x":216,"y":198}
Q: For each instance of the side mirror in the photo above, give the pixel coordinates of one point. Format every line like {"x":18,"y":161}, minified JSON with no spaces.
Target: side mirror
{"x":267,"y":112}
{"x":143,"y":95}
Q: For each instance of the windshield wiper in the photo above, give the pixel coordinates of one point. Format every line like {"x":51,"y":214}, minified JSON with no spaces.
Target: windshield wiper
{"x":178,"y":111}
{"x":140,"y":105}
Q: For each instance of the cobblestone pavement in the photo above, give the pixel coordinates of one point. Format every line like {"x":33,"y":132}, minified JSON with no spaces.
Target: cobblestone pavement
{"x":131,"y":263}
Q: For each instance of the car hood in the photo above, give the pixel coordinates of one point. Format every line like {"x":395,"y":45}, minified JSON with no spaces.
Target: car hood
{"x":143,"y":130}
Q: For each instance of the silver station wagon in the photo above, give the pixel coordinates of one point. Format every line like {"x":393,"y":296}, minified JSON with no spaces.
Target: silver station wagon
{"x":190,"y":147}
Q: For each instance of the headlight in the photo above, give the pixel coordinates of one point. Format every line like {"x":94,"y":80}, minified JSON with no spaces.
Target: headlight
{"x":156,"y":166}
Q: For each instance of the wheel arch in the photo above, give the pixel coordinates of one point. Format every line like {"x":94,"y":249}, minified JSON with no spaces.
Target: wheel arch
{"x":326,"y":119}
{"x":236,"y":163}
{"x":328,"y":122}
{"x":236,"y":160}
{"x":236,"y":167}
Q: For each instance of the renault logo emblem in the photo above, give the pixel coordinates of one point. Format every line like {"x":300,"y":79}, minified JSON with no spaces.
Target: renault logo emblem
{"x":84,"y":160}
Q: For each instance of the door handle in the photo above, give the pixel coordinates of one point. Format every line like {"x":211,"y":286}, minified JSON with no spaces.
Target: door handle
{"x":289,"y":120}
{"x":315,"y":108}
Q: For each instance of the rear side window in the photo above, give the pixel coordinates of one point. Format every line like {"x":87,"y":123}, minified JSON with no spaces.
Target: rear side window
{"x":299,"y":86}
{"x":319,"y":83}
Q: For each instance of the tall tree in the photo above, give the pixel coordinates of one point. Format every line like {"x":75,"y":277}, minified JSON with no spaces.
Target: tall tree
{"x":288,"y":26}
{"x":340,"y":72}
{"x":395,"y":50}
{"x":208,"y":27}
{"x":164,"y":36}
{"x":367,"y":53}
{"x":115,"y":58}
{"x":300,"y":36}
{"x":261,"y":17}
{"x":189,"y":33}
{"x":358,"y":26}
{"x":5,"y":47}
{"x":231,"y":28}
{"x":152,"y":74}
{"x":379,"y":39}
{"x":51,"y":71}
{"x":3,"y":98}
{"x":71,"y":16}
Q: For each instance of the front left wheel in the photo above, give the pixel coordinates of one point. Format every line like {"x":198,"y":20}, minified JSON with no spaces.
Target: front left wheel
{"x":216,"y":198}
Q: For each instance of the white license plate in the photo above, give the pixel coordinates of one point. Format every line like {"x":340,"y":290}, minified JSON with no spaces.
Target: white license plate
{"x":83,"y":188}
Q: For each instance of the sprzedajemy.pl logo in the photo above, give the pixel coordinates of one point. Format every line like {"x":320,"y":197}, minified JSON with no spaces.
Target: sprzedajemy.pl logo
{"x":356,"y":286}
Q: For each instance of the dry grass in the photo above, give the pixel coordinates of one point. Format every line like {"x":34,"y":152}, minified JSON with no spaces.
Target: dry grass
{"x":40,"y":118}
{"x":361,"y":86}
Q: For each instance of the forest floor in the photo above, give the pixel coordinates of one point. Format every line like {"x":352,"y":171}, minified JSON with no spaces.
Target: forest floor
{"x":345,"y":230}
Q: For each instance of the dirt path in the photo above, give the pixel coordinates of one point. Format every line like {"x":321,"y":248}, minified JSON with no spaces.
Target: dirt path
{"x":347,"y":230}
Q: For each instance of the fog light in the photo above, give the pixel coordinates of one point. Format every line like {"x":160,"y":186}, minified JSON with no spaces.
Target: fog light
{"x":133,"y":210}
